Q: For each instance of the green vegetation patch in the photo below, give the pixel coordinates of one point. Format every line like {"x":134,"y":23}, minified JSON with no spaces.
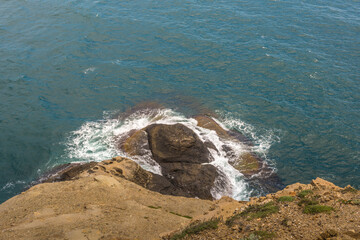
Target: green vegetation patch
{"x":260,"y":211}
{"x":154,"y":207}
{"x":256,"y":211}
{"x":197,"y":228}
{"x":229,"y":222}
{"x":352,"y":201}
{"x":259,"y":235}
{"x":177,"y":214}
{"x":286,"y":199}
{"x":304,"y":193}
{"x":314,"y":209}
{"x":349,"y":189}
{"x":307,"y":202}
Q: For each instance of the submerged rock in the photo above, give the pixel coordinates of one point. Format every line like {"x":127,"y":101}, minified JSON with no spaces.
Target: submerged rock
{"x":248,"y":164}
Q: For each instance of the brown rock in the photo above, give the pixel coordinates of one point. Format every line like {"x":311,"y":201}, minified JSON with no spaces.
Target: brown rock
{"x":328,"y":234}
{"x":131,"y":171}
{"x":66,"y":172}
{"x":322,"y":184}
{"x":180,"y":152}
{"x":137,"y":144}
{"x":248,"y":163}
{"x":209,"y":123}
{"x":176,"y":143}
{"x":195,"y":179}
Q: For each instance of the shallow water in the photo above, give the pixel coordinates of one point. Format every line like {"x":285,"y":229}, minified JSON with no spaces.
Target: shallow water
{"x":288,"y":70}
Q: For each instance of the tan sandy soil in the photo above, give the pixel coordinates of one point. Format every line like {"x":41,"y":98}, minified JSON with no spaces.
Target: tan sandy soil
{"x":104,"y":202}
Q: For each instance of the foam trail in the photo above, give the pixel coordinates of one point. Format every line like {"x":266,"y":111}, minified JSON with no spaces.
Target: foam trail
{"x":96,"y":141}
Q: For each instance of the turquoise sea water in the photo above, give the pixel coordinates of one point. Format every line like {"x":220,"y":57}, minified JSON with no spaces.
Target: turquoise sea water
{"x":288,"y":70}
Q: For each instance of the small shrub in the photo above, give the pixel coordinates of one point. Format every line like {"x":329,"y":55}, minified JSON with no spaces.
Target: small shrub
{"x":177,"y":214}
{"x":349,"y":189}
{"x":304,"y":193}
{"x":286,"y":199}
{"x":256,"y":211}
{"x":307,"y":202}
{"x":313,"y":209}
{"x":194,"y":229}
{"x":229,"y":222}
{"x":260,"y":211}
{"x":154,"y":207}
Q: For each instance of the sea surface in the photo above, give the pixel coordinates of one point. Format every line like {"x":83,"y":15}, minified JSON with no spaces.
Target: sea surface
{"x":286,"y":73}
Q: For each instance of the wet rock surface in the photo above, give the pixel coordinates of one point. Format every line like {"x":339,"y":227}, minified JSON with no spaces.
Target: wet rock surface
{"x":65,"y":172}
{"x":180,"y":153}
{"x":257,"y":172}
{"x":176,"y":143}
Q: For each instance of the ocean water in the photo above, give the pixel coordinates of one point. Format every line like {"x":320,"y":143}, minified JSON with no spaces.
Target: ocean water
{"x":285,"y":73}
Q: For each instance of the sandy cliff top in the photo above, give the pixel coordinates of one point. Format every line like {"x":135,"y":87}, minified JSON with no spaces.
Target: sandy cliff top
{"x":108,"y":201}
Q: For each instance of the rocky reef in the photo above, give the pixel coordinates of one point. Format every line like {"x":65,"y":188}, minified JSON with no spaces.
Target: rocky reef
{"x":112,"y":200}
{"x":186,"y":161}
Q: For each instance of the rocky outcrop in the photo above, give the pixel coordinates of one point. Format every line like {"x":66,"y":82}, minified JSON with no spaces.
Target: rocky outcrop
{"x":257,"y":172}
{"x":319,"y":210}
{"x":136,"y":144}
{"x":181,"y":155}
{"x":65,"y":172}
{"x":176,"y":143}
{"x":106,"y":201}
{"x":247,"y":163}
{"x":109,"y":200}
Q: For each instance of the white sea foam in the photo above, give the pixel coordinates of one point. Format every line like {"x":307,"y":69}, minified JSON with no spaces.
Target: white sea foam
{"x":96,"y":141}
{"x":11,"y":185}
{"x":88,"y":70}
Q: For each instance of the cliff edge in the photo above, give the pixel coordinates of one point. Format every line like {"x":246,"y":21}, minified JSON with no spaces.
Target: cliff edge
{"x":112,"y":200}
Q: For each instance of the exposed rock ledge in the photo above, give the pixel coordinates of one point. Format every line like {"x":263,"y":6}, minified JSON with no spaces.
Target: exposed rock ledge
{"x":108,"y":200}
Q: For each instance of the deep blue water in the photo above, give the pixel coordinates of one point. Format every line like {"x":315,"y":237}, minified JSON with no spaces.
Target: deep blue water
{"x":290,"y":69}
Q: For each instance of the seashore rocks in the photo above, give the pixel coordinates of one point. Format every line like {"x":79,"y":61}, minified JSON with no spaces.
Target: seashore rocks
{"x":181,"y":155}
{"x":176,"y":143}
{"x":247,"y":163}
{"x":184,"y":157}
